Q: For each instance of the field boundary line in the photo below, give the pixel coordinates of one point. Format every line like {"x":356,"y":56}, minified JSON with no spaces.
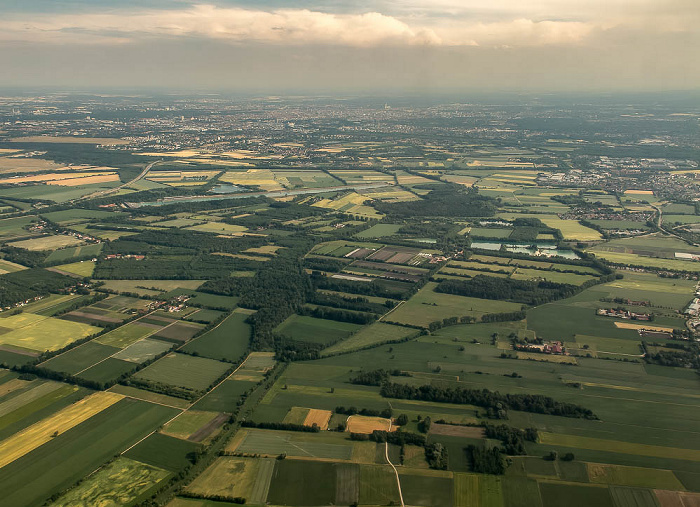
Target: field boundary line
{"x":95,"y":338}
{"x":122,"y":350}
{"x":391,"y":311}
{"x":396,"y":472}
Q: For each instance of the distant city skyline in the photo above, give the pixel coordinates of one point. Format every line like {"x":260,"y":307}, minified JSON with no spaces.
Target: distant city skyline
{"x":386,"y":46}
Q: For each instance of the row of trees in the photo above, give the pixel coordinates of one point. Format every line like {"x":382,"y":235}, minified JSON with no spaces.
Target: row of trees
{"x":536,"y":403}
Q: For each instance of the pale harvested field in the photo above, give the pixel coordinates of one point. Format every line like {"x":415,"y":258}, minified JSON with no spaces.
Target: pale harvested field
{"x":47,"y":243}
{"x":85,"y":180}
{"x":639,"y":192}
{"x":630,"y":325}
{"x":364,"y":424}
{"x":38,"y":434}
{"x":22,"y":165}
{"x":318,"y":417}
{"x":54,"y":178}
{"x":12,"y":385}
{"x":457,"y":431}
{"x":106,"y":141}
{"x":677,"y":498}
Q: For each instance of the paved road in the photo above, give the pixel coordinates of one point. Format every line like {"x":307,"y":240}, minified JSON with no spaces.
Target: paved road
{"x":108,"y":191}
{"x":274,"y":193}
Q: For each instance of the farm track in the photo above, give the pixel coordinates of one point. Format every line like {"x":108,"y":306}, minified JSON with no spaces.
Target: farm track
{"x":396,"y":472}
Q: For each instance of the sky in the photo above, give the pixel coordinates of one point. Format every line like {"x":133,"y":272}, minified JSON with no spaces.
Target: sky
{"x":367,"y":46}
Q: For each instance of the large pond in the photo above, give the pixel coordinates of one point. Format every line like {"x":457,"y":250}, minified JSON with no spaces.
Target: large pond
{"x":542,"y":250}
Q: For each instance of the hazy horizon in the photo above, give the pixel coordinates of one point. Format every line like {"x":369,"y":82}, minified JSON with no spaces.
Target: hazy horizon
{"x":384,"y":46}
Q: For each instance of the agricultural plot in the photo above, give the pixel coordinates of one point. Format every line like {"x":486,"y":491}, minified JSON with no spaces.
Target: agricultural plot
{"x":311,"y":445}
{"x":42,"y":432}
{"x":127,"y":334}
{"x":228,"y":341}
{"x":47,"y":243}
{"x":10,"y":267}
{"x":79,"y":358}
{"x":231,"y":477}
{"x":163,"y":451}
{"x":554,"y":494}
{"x":179,"y":332}
{"x":379,"y":231}
{"x":302,"y":483}
{"x":150,"y":287}
{"x":15,"y":227}
{"x":193,"y":425}
{"x":83,"y":269}
{"x":374,"y":334}
{"x":143,"y":350}
{"x":225,"y":397}
{"x":195,"y":373}
{"x":429,"y":490}
{"x":37,"y":333}
{"x":67,"y":254}
{"x":122,"y":482}
{"x":428,"y":306}
{"x":312,"y":330}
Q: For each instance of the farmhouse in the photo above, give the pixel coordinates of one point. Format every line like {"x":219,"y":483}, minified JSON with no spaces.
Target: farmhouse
{"x":621,"y":313}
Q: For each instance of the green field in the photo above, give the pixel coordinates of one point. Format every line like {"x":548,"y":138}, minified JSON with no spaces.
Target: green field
{"x":122,"y":482}
{"x":164,"y":451}
{"x":554,"y":495}
{"x":82,"y":268}
{"x":428,"y":306}
{"x":143,"y":350}
{"x":373,"y":334}
{"x":229,"y":340}
{"x":34,"y":477}
{"x":274,"y":443}
{"x":225,"y":396}
{"x":66,"y":254}
{"x":195,"y":373}
{"x":125,"y":335}
{"x":79,"y":358}
{"x":301,"y":483}
{"x":310,"y":329}
{"x":379,"y":231}
{"x":187,"y":423}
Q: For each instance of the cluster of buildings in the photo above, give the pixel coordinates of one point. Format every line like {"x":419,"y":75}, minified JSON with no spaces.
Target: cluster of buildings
{"x":137,"y":257}
{"x":556,"y":348}
{"x":621,"y":313}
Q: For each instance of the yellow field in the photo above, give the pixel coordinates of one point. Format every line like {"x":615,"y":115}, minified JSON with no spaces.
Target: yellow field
{"x":571,"y":229}
{"x":85,"y":180}
{"x":65,"y":178}
{"x":38,"y":434}
{"x":35,"y":332}
{"x":12,"y":385}
{"x":364,"y":424}
{"x":639,"y":192}
{"x":83,"y":268}
{"x":20,"y":165}
{"x":629,"y":325}
{"x":318,"y":417}
{"x":263,"y":178}
{"x":47,"y":243}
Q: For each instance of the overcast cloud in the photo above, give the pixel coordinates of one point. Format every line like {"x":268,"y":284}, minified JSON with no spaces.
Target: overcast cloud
{"x":385,"y":45}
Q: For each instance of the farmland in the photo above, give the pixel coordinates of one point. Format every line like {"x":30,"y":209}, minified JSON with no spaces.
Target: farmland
{"x":285,"y":298}
{"x":179,"y":370}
